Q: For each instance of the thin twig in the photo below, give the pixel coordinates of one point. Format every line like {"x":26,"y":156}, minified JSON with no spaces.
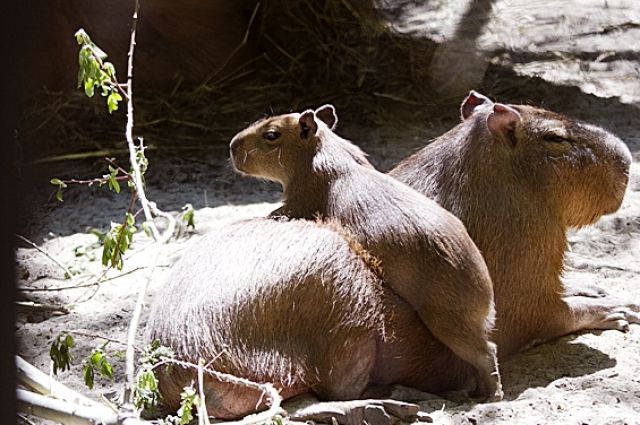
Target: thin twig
{"x":49,"y":256}
{"x":91,"y":182}
{"x":267,"y":389}
{"x":83,"y":285}
{"x":203,"y":416}
{"x":34,"y":306}
{"x":25,"y":419}
{"x":106,"y":338}
{"x":131,"y":336}
{"x":171,"y":222}
{"x":243,"y":43}
{"x":137,"y":175}
{"x":113,"y":162}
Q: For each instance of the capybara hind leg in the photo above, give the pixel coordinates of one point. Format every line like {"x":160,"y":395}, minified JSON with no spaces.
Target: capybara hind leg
{"x":231,"y":400}
{"x":224,"y":400}
{"x":584,"y":313}
{"x":489,"y":380}
{"x":471,"y":346}
{"x":353,"y":412}
{"x":346,"y":373}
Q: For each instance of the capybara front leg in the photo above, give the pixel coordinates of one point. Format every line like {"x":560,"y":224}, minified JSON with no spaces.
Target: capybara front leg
{"x":357,"y":412}
{"x":600,"y":313}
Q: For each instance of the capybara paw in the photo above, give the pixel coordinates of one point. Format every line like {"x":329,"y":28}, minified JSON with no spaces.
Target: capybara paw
{"x":357,"y":412}
{"x":618,"y":320}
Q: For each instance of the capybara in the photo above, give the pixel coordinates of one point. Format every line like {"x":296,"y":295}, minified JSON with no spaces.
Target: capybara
{"x":297,"y":304}
{"x":427,"y":256}
{"x":518,"y":177}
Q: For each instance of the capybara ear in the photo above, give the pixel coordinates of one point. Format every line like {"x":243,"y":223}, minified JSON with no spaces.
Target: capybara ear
{"x":502,"y":122}
{"x":327,"y":114}
{"x":308,"y":125}
{"x":471,"y":102}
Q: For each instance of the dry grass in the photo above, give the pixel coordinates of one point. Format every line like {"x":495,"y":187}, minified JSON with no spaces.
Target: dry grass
{"x":309,"y":53}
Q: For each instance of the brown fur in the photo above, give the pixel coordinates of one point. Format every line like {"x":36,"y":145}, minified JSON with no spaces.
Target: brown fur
{"x":427,"y":257}
{"x":290,"y":302}
{"x":517,"y":189}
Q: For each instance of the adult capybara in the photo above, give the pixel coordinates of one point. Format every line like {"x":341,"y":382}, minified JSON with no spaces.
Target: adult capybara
{"x":427,"y":256}
{"x":518,"y":177}
{"x":296,"y":304}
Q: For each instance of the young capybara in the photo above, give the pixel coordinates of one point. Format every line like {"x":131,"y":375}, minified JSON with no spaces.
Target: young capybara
{"x":518,"y":177}
{"x":427,"y":256}
{"x":296,"y":304}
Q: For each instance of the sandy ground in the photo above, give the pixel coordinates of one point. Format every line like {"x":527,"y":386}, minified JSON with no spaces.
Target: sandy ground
{"x":581,"y":58}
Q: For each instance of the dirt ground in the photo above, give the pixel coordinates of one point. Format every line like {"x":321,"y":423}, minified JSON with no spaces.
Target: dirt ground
{"x":581,"y":58}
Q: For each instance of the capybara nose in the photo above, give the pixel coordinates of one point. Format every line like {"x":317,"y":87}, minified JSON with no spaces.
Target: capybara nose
{"x":234,"y":145}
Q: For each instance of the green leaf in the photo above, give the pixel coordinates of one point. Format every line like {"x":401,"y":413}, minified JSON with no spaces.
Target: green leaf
{"x":82,"y":37}
{"x":112,"y":101}
{"x":114,"y":184}
{"x":69,"y":341}
{"x":87,"y":372}
{"x":109,"y":69}
{"x":88,"y":87}
{"x":189,"y":216}
{"x":145,"y":392}
{"x":97,"y":360}
{"x":59,"y":352}
{"x":58,"y":182}
{"x":61,"y":185}
{"x":59,"y":194}
{"x":107,"y":249}
{"x":188,"y":399}
{"x":106,"y":369}
{"x":146,"y":229}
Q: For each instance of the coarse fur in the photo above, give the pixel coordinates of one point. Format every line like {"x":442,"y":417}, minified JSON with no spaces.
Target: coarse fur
{"x":292,"y":303}
{"x":427,"y":256}
{"x":518,"y":177}
{"x":249,"y":296}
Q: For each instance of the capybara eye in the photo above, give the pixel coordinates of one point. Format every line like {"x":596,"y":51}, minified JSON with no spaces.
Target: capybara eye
{"x":554,"y":138}
{"x":271,"y":135}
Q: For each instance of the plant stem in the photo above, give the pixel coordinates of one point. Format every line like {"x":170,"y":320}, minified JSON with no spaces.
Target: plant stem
{"x":49,"y":256}
{"x":90,"y":182}
{"x":137,"y":176}
{"x":131,"y":336}
{"x":106,"y":338}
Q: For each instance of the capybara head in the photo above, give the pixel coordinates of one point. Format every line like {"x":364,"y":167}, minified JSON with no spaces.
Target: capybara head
{"x":272,"y":146}
{"x":278,"y":148}
{"x":582,"y":169}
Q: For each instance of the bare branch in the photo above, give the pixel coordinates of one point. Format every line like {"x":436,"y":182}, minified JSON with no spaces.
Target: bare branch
{"x":243,"y":43}
{"x":203,"y":416}
{"x":36,"y":380}
{"x":34,"y":306}
{"x":69,"y":413}
{"x":49,"y":256}
{"x":82,"y":285}
{"x":131,"y":337}
{"x":106,"y":338}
